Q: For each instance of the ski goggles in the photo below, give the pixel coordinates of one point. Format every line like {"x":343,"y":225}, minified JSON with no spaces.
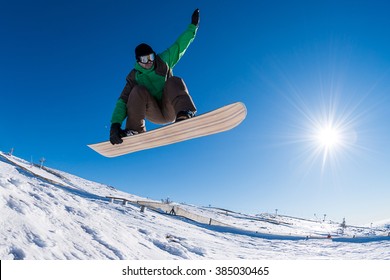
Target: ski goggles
{"x":146,"y":58}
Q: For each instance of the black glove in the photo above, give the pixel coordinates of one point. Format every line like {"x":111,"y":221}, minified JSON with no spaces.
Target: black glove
{"x":195,"y":18}
{"x":116,"y":134}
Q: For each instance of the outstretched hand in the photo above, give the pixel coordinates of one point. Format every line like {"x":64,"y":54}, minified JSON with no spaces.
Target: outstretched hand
{"x":195,"y":18}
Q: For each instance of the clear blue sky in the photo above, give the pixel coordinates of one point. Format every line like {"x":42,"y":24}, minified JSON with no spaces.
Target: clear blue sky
{"x":297,"y":65}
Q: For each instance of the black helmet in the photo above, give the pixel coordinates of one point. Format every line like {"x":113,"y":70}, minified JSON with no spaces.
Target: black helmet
{"x":143,"y":49}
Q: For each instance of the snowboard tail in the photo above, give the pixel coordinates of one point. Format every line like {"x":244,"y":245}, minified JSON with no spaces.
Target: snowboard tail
{"x":219,"y":120}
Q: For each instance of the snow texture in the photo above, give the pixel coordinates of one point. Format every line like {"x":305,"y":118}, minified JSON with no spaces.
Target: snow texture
{"x":48,"y":214}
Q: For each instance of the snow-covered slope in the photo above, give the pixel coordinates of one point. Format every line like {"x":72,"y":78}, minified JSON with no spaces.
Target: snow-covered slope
{"x":49,"y":214}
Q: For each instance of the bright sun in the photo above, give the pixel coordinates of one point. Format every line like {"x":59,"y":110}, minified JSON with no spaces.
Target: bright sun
{"x":328,"y":137}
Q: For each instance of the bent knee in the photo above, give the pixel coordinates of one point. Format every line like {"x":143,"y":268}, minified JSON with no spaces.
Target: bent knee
{"x":175,"y":82}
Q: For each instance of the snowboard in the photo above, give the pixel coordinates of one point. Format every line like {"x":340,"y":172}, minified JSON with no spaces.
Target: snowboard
{"x":216,"y":121}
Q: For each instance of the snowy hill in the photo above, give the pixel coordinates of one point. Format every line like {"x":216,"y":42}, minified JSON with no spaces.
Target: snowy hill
{"x":49,"y":214}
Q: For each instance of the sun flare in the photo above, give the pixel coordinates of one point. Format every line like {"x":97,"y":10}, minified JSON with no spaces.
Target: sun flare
{"x":328,"y":137}
{"x":326,"y":132}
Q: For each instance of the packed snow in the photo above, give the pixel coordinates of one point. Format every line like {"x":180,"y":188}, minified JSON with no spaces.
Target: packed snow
{"x":48,"y":214}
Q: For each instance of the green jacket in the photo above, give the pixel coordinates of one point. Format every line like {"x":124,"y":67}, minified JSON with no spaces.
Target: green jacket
{"x":154,"y":79}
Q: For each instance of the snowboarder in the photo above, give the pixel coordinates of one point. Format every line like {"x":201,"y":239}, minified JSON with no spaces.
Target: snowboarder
{"x":151,"y":91}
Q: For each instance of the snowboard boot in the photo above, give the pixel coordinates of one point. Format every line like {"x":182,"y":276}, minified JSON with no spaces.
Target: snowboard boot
{"x":184,"y":115}
{"x":130,"y":132}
